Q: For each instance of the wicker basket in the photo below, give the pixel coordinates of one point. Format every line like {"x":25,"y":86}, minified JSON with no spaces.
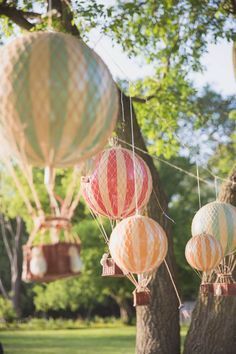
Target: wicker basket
{"x":224,"y":289}
{"x":141,"y":298}
{"x":111,"y":269}
{"x":206,"y":289}
{"x":57,"y":258}
{"x":218,"y":289}
{"x":45,"y":262}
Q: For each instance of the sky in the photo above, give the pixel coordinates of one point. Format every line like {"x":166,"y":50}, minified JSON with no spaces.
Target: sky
{"x":217,"y":63}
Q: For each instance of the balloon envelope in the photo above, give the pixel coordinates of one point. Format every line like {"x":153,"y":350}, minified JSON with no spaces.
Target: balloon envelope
{"x":203,"y":252}
{"x":219,"y":220}
{"x":110,"y":190}
{"x":58,"y":102}
{"x":138,"y":244}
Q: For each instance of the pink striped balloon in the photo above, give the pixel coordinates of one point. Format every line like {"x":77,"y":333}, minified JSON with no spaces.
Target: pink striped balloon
{"x":110,"y":190}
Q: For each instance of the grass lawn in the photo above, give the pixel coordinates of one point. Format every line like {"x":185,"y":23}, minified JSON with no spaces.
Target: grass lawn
{"x":114,"y":340}
{"x":119,"y":340}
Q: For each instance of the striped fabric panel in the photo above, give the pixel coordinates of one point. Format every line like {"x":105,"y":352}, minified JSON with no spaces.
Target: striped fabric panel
{"x":21,"y":91}
{"x":60,"y":98}
{"x":74,"y":123}
{"x":217,"y":219}
{"x":203,"y":252}
{"x":39,"y":67}
{"x":138,"y":244}
{"x":111,"y":191}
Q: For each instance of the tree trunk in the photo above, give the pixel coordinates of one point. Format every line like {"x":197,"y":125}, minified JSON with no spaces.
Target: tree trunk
{"x":16,"y":293}
{"x":11,"y":237}
{"x":158,"y":323}
{"x":213,"y":326}
{"x":125,"y":312}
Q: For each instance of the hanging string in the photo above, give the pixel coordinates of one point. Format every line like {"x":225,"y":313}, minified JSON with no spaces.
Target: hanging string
{"x":181,"y":305}
{"x":19,"y":186}
{"x":49,"y":182}
{"x":198,"y":186}
{"x":27,"y":173}
{"x":189,"y":148}
{"x":97,"y":41}
{"x":100,"y":226}
{"x":133,"y":152}
{"x":216,"y":187}
{"x":71,"y":189}
{"x":168,"y":163}
{"x":74,"y":204}
{"x":122,"y":111}
{"x":179,"y":139}
{"x":163,"y":211}
{"x":131,"y":277}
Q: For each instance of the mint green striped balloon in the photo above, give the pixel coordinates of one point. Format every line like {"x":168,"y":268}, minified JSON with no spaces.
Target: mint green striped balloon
{"x":219,"y":220}
{"x":58,"y":101}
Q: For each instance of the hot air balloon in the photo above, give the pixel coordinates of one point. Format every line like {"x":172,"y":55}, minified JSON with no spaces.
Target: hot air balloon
{"x":138,"y":245}
{"x":219,"y":220}
{"x":203,"y":252}
{"x":58,"y":106}
{"x":117,"y":183}
{"x":58,"y":102}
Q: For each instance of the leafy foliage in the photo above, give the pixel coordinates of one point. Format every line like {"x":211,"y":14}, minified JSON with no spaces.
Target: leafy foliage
{"x":87,"y":290}
{"x":7,"y":312}
{"x":172,"y":36}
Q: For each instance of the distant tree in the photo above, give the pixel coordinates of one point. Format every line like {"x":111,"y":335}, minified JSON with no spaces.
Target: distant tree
{"x":12,"y":234}
{"x":172,"y":36}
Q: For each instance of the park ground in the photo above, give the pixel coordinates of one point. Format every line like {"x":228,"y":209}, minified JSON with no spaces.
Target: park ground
{"x":115,"y":340}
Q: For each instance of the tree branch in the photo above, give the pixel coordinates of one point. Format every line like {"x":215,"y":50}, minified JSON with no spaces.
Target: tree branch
{"x":143,"y":99}
{"x":3,"y":290}
{"x":17,"y":16}
{"x":233,"y":2}
{"x":7,"y":246}
{"x":64,"y":8}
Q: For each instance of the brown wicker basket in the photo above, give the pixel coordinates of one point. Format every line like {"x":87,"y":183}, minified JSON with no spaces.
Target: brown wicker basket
{"x":52,"y":251}
{"x":206,"y":289}
{"x":111,"y":269}
{"x":57,"y":258}
{"x":218,"y":289}
{"x":141,"y":298}
{"x":224,"y":289}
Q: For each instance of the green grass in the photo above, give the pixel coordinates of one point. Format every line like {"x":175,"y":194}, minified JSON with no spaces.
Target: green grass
{"x":116,"y":339}
{"x":183,"y":333}
{"x":119,"y":340}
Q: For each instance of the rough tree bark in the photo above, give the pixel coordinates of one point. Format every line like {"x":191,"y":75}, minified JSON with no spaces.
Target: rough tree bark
{"x":158,"y":323}
{"x":213,"y":326}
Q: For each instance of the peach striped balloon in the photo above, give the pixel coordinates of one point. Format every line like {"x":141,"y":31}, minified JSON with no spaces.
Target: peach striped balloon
{"x":138,"y":244}
{"x":203,"y":252}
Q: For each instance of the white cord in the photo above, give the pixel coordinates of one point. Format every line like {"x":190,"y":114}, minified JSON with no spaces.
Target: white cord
{"x":198,"y":186}
{"x":216,"y":187}
{"x":133,"y":151}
